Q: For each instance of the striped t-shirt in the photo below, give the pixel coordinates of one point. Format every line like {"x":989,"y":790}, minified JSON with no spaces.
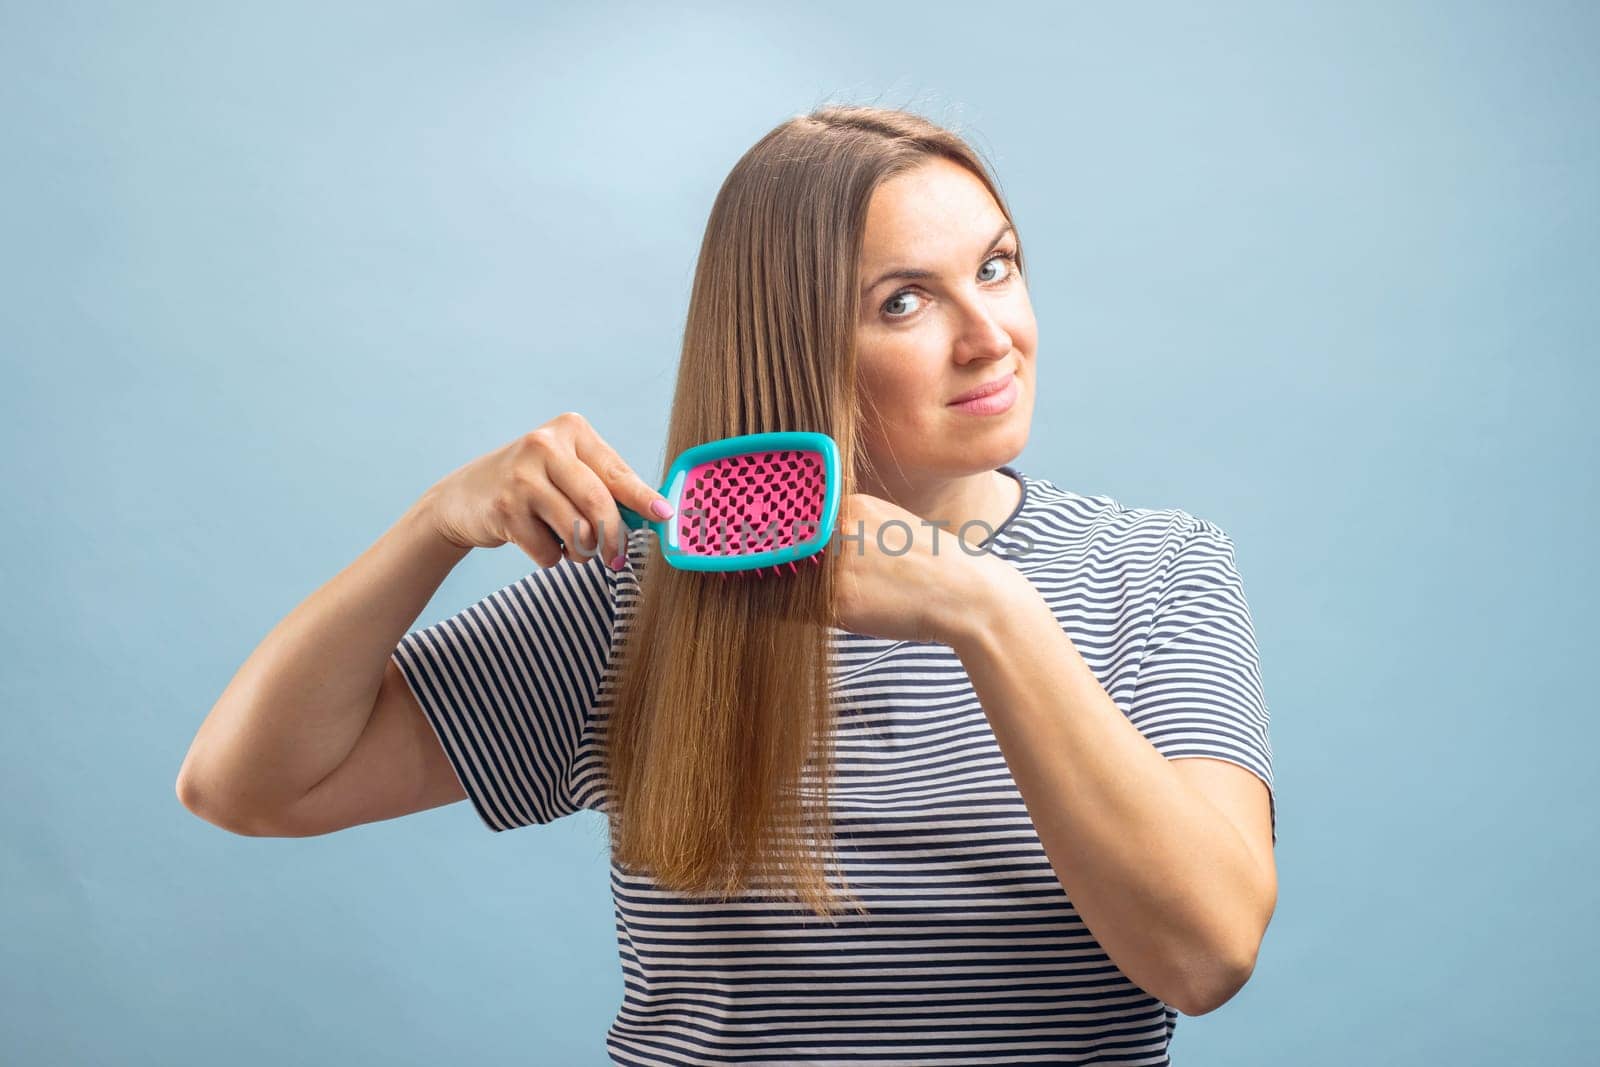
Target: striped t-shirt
{"x":972,"y":952}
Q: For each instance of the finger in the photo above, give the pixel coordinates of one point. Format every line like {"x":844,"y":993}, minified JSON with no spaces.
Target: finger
{"x":620,"y":480}
{"x":549,"y":505}
{"x":582,"y":486}
{"x":532,"y":536}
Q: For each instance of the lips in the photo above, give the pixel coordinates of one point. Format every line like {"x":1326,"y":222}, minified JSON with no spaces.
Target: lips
{"x":986,"y":389}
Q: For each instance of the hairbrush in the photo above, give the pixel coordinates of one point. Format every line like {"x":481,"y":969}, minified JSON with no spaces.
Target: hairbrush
{"x":753,"y":503}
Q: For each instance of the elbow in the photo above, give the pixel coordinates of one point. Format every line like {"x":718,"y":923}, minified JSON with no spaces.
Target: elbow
{"x":1211,"y":986}
{"x":1217,"y":978}
{"x":189,"y":795}
{"x":199,"y":803}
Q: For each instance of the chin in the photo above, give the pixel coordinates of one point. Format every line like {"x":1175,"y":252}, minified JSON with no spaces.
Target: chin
{"x":996,"y":450}
{"x":1005,"y":450}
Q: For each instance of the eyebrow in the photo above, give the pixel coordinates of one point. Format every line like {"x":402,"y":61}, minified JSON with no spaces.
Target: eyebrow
{"x":915,"y":273}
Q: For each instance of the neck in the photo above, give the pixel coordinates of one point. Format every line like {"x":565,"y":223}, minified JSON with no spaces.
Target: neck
{"x":988,"y":496}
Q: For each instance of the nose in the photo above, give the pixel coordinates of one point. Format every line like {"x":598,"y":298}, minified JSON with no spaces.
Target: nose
{"x":983,"y":337}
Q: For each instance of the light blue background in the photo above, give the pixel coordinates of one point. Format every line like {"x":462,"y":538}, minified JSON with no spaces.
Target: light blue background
{"x":1323,"y":274}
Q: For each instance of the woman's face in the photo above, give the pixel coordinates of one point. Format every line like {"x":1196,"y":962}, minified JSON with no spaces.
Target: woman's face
{"x":965,"y":322}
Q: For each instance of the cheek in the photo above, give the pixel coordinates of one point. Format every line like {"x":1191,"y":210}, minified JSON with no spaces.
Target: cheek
{"x":1030,"y":335}
{"x":898,"y":392}
{"x":1024,"y":328}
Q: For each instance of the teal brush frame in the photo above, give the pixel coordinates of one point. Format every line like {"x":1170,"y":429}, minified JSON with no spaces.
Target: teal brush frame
{"x":796,"y":440}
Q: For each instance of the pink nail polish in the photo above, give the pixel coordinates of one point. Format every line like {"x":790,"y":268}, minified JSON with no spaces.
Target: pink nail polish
{"x":661,"y":509}
{"x":618,"y":563}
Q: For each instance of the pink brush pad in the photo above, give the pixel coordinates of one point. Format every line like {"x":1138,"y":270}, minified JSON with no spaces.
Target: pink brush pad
{"x":721,"y":496}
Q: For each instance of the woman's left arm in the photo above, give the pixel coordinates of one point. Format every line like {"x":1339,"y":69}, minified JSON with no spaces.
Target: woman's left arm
{"x":1169,"y":862}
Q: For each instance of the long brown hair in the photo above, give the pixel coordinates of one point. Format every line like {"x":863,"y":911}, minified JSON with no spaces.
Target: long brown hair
{"x":722,"y":697}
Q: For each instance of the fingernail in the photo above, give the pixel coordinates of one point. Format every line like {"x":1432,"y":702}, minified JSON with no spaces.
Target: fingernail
{"x":661,"y":509}
{"x":618,"y":563}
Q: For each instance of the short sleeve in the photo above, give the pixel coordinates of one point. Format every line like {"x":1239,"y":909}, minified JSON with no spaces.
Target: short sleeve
{"x":1198,"y":691}
{"x":508,"y":685}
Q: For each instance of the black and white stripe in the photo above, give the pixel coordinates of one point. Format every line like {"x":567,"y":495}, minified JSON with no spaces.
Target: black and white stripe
{"x":971,"y":952}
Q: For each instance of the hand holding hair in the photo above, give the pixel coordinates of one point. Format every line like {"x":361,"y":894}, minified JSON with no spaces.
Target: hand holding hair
{"x":903,"y":578}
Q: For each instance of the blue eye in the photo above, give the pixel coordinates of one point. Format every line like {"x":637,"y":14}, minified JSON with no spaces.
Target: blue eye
{"x":1009,"y":257}
{"x":1011,"y":273}
{"x":901,"y":295}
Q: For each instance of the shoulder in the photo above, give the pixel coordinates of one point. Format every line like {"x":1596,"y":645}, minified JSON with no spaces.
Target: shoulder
{"x":1057,"y":523}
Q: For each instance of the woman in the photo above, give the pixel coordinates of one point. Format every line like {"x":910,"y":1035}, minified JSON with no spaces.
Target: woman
{"x":1026,"y":726}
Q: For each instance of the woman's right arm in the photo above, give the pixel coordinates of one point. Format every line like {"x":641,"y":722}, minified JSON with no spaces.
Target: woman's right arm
{"x":318,"y":715}
{"x":298,"y":705}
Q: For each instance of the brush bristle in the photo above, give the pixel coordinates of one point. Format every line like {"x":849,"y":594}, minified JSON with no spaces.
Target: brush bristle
{"x":780,"y":568}
{"x":751,"y":502}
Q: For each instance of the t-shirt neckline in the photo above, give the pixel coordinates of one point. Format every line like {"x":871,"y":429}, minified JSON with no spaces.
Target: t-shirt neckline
{"x":1022,"y":502}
